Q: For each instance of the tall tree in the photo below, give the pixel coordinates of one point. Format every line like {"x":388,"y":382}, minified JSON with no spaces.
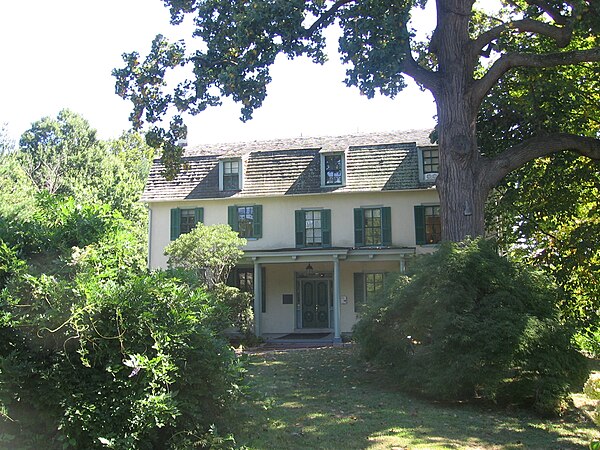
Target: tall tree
{"x":59,"y":153}
{"x":241,"y":39}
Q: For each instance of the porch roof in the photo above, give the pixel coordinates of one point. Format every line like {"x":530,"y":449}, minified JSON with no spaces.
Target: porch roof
{"x":292,"y":255}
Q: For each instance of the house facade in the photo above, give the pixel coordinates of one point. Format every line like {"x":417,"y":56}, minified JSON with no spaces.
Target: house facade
{"x":325,"y":219}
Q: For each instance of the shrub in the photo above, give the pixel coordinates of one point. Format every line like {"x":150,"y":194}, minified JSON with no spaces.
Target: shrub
{"x":480,"y":326}
{"x":108,"y":355}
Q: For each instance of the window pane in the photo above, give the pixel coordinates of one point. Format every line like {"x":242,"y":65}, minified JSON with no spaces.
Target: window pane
{"x":430,"y":161}
{"x":433,"y":225}
{"x":333,"y":169}
{"x":246,"y":221}
{"x":312,"y":228}
{"x":372,"y":226}
{"x":187,"y":221}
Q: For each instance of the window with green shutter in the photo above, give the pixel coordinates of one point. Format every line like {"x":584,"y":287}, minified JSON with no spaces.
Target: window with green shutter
{"x":428,"y":225}
{"x":373,"y":227}
{"x":183,"y":220}
{"x":246,"y":220}
{"x":313,"y":228}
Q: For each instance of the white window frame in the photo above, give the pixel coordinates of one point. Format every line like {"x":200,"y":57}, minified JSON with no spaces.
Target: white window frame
{"x":430,"y":177}
{"x":222,"y":172}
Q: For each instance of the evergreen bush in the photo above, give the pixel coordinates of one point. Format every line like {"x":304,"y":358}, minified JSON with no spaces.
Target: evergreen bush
{"x":480,"y":326}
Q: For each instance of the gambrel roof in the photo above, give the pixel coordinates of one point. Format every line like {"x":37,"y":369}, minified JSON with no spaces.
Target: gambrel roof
{"x":374,"y":162}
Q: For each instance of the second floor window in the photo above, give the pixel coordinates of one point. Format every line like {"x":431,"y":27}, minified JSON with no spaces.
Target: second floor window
{"x":246,"y":220}
{"x":372,"y":227}
{"x":428,"y":224}
{"x":313,"y":228}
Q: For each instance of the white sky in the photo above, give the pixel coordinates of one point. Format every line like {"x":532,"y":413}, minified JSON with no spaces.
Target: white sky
{"x":60,"y":54}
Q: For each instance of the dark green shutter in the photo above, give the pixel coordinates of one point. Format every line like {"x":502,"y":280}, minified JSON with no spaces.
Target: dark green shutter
{"x":326,"y":227}
{"x":263,"y":289}
{"x":300,"y":220}
{"x":175,"y":223}
{"x":198,"y":215}
{"x":359,"y":240}
{"x":420,"y":225}
{"x":232,"y":218}
{"x":359,"y":291}
{"x":386,"y":226}
{"x":257,"y":225}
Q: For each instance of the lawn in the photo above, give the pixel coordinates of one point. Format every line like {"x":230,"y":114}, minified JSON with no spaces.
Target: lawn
{"x":327,"y":399}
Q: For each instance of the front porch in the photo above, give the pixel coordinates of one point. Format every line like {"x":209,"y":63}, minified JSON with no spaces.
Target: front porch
{"x":308,"y":296}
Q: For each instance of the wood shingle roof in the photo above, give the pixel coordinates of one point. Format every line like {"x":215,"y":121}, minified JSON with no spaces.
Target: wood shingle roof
{"x":374,"y":162}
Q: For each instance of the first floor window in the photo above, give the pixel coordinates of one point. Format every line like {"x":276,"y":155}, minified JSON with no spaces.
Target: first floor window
{"x":428,"y":224}
{"x":183,"y":220}
{"x":367,"y":288}
{"x":246,"y":220}
{"x":243,"y":279}
{"x":372,"y":227}
{"x":313,"y":228}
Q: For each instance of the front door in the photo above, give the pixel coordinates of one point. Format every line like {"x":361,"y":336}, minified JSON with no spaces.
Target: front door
{"x":315,"y":303}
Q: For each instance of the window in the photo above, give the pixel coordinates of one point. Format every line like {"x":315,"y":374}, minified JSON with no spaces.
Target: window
{"x":183,"y":220}
{"x":243,"y":279}
{"x":429,"y":164}
{"x":430,"y":160}
{"x":313,"y":228}
{"x":367,"y":287}
{"x":428,"y":224}
{"x":372,"y":227}
{"x":332,"y":169}
{"x":246,"y":220}
{"x":230,"y":175}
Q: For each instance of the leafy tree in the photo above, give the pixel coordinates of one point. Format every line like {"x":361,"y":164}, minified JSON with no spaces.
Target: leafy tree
{"x":210,"y":250}
{"x":547,"y":211}
{"x":240,"y":41}
{"x":7,"y":145}
{"x":58,"y":154}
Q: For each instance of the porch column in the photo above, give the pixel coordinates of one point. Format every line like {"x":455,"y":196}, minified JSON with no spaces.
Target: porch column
{"x":337,"y":335}
{"x":257,"y":296}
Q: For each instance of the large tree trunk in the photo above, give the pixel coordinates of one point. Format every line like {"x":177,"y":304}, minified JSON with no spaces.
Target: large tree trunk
{"x":462,"y":190}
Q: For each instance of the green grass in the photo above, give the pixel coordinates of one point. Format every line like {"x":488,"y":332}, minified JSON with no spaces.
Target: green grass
{"x":328,"y":399}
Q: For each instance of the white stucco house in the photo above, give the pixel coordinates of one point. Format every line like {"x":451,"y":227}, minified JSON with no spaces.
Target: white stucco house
{"x":325,"y":219}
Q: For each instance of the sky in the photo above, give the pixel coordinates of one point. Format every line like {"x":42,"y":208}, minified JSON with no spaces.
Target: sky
{"x":59,"y":54}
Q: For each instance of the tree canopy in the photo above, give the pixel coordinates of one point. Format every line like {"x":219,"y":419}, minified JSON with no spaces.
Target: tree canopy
{"x":469,"y":52}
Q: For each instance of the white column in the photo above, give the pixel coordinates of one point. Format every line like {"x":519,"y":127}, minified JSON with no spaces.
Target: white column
{"x":257,"y":296}
{"x":337,"y":336}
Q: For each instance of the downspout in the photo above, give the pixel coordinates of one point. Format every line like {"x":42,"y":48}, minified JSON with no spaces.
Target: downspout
{"x":149,"y":236}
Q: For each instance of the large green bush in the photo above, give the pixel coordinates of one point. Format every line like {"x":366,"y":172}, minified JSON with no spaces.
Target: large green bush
{"x":480,"y":326}
{"x":101,"y":353}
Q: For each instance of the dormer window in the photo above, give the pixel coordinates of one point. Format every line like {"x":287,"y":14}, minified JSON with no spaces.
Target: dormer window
{"x":332,"y":169}
{"x":230,"y":175}
{"x":429,"y":161}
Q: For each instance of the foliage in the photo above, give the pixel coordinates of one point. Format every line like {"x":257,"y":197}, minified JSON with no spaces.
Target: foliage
{"x":547,"y":211}
{"x":211,"y":251}
{"x":98,"y":353}
{"x":239,"y":308}
{"x":592,"y":390}
{"x":480,"y":326}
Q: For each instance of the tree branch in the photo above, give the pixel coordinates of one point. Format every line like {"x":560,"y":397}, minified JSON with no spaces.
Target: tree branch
{"x":512,"y":158}
{"x":511,"y":60}
{"x":561,"y":35}
{"x":327,"y":15}
{"x":548,"y":9}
